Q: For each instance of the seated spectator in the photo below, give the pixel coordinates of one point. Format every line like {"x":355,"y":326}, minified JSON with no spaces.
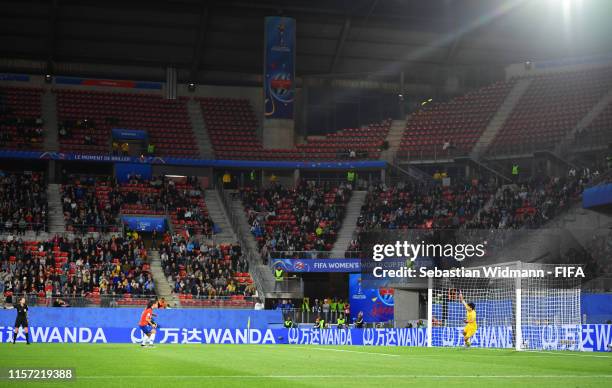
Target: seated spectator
{"x":297,"y":222}
{"x":23,"y":202}
{"x":95,"y":203}
{"x":81,"y":268}
{"x":204,"y":271}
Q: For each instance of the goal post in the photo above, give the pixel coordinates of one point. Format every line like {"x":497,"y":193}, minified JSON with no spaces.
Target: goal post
{"x":520,"y":306}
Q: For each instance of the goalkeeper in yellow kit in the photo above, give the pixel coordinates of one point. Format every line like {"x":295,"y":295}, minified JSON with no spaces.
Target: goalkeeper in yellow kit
{"x":470,"y":320}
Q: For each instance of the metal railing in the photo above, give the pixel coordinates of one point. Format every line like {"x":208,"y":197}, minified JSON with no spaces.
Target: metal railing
{"x":303,"y":255}
{"x":94,"y":228}
{"x":16,"y":228}
{"x":119,"y":301}
{"x":306,"y":317}
{"x":438,"y":154}
{"x":251,"y":257}
{"x":292,"y":284}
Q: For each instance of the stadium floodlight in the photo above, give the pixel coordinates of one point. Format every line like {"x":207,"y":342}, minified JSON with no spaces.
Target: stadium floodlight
{"x":524,"y":312}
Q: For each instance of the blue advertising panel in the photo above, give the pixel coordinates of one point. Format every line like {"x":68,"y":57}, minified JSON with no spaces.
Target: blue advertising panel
{"x":129,"y":134}
{"x":227,"y":326}
{"x":597,"y":196}
{"x":373,"y":298}
{"x":14,"y":77}
{"x":318,"y":265}
{"x":145,"y":224}
{"x":279,"y":67}
{"x":597,"y":308}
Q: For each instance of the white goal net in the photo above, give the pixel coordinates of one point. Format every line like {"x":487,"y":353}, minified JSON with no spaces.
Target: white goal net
{"x":521,"y":312}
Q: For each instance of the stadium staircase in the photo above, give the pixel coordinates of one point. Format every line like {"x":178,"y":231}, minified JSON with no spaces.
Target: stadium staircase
{"x":49,"y":116}
{"x":566,"y":143}
{"x":574,"y":226}
{"x":261,"y":273}
{"x":199,"y":129}
{"x":484,"y":167}
{"x":162,"y":285}
{"x":347,"y":231}
{"x":498,"y":120}
{"x":394,"y":138}
{"x":57,"y":224}
{"x":216,"y":211}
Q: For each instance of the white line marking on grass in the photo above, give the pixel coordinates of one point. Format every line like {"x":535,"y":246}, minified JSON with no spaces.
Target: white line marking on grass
{"x":355,"y":351}
{"x":119,"y":377}
{"x":582,"y":354}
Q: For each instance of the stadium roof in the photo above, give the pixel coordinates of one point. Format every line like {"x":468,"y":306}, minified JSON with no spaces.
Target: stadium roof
{"x":381,"y":37}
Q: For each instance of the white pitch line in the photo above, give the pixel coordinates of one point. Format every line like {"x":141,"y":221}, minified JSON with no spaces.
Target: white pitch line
{"x":355,"y":351}
{"x":553,"y":354}
{"x":115,"y":377}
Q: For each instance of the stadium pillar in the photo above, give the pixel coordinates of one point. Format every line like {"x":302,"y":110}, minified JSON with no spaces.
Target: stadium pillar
{"x":278,"y":133}
{"x":51,"y":167}
{"x":296,"y":176}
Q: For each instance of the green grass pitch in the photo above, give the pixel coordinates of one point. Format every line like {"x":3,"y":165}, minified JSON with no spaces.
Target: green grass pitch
{"x":124,"y":365}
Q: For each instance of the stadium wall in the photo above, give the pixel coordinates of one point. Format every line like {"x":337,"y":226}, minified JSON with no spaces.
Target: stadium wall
{"x":119,"y":325}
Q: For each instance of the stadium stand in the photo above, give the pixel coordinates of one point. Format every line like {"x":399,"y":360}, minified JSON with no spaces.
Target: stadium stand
{"x":84,"y":270}
{"x":531,"y":203}
{"x":549,"y":109}
{"x":23,"y":202}
{"x":94,"y":204}
{"x":305,"y":218}
{"x":350,"y":143}
{"x":460,"y":122}
{"x":87,"y":117}
{"x":413,"y":205}
{"x":232,"y":127}
{"x":21,"y":118}
{"x":207,"y":275}
{"x":87,"y":206}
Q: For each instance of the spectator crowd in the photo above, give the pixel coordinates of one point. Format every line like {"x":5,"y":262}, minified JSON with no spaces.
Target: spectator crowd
{"x":303,"y":219}
{"x":23,"y":202}
{"x":205,"y":271}
{"x":87,"y":268}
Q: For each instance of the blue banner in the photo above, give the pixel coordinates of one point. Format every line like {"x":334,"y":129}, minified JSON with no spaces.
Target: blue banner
{"x":145,"y":224}
{"x":318,"y":265}
{"x":14,"y":77}
{"x":123,"y":171}
{"x":597,"y":308}
{"x":250,"y":164}
{"x":279,"y":67}
{"x":597,"y":196}
{"x":373,"y":298}
{"x":129,"y":134}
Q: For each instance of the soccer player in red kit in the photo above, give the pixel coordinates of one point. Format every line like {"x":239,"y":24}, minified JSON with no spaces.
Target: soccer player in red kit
{"x":147,"y":326}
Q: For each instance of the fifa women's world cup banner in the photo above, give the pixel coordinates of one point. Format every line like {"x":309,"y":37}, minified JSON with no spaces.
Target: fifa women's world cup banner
{"x":279,"y":67}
